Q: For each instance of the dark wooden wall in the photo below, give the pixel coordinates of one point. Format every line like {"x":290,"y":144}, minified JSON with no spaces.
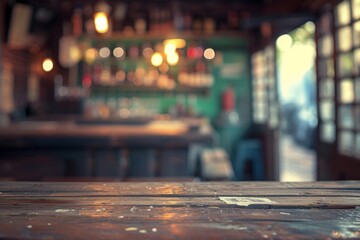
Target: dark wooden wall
{"x":19,"y":60}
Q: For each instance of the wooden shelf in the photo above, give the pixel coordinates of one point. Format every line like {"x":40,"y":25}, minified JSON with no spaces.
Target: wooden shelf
{"x":130,"y":88}
{"x":160,"y":36}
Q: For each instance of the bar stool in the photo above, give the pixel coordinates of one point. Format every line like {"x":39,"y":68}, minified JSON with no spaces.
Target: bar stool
{"x":248,"y":164}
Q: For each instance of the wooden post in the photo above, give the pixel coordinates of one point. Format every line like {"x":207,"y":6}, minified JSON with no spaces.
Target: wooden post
{"x":2,"y":33}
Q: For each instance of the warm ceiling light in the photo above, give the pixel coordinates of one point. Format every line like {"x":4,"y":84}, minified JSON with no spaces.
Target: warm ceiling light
{"x":172,"y":59}
{"x":209,"y":53}
{"x":156,"y":59}
{"x":177,"y":42}
{"x":47,"y":64}
{"x":101,"y":22}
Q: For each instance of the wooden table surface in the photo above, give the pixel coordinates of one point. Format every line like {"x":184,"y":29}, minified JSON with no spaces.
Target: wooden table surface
{"x":221,"y":210}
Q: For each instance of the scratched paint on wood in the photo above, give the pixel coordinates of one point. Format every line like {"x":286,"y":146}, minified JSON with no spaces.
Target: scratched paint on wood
{"x":247,"y":201}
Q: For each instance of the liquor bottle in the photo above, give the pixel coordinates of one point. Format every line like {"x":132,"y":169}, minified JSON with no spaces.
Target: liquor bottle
{"x":89,"y":20}
{"x":209,"y":26}
{"x":140,"y":26}
{"x":77,"y":22}
{"x":134,"y":52}
{"x":147,"y":50}
{"x":187,"y":22}
{"x":86,"y":79}
{"x":119,"y":16}
{"x":178,"y":19}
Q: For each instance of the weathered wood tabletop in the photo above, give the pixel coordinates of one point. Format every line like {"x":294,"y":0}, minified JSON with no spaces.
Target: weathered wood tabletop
{"x":221,"y":210}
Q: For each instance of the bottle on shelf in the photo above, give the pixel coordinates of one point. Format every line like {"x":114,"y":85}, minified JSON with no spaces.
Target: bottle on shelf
{"x":119,"y":16}
{"x":77,"y":22}
{"x":140,"y":26}
{"x":89,"y":20}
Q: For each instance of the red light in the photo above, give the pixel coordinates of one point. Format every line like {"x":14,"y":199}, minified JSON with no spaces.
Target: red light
{"x":86,"y":81}
{"x":191,"y":52}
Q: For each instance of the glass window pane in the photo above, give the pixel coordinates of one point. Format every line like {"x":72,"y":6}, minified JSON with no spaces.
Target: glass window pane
{"x":262,"y":82}
{"x":327,"y":88}
{"x":326,"y":68}
{"x":274,"y":115}
{"x":345,"y":65}
{"x":356,"y":9}
{"x":344,"y":39}
{"x":346,"y":93}
{"x":327,"y":132}
{"x":346,"y":117}
{"x":260,"y":114}
{"x":357,"y":117}
{"x":356,"y":33}
{"x":357,"y":61}
{"x":326,"y":110}
{"x":357,"y":89}
{"x":260,"y":96}
{"x":346,"y":142}
{"x":326,"y":46}
{"x":343,"y":13}
{"x":269,"y":51}
{"x":357,"y":145}
{"x":258,"y":65}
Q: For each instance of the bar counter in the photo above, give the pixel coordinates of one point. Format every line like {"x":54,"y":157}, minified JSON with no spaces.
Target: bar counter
{"x":44,"y":134}
{"x":212,"y":210}
{"x":38,"y":150}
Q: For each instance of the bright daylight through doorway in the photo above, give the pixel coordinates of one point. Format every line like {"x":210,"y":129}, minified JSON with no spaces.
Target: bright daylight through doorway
{"x":297,"y":93}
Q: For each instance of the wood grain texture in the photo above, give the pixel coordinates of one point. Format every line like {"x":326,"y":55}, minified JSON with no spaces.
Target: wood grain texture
{"x":38,"y":210}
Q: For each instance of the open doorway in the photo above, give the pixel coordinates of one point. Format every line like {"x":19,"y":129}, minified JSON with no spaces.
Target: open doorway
{"x":296,"y":53}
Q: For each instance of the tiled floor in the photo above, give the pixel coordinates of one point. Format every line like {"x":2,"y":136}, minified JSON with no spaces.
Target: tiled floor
{"x":297,"y":164}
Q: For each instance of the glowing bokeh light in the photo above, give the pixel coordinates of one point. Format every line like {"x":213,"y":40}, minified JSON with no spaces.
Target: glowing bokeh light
{"x":156,"y":59}
{"x":47,"y":64}
{"x":310,"y":27}
{"x":90,"y":55}
{"x":177,"y":42}
{"x":209,"y":53}
{"x":119,"y":52}
{"x":284,"y":42}
{"x":147,"y":52}
{"x":169,"y":48}
{"x":164,"y":68}
{"x":172,"y":59}
{"x":101,"y":22}
{"x":104,"y":52}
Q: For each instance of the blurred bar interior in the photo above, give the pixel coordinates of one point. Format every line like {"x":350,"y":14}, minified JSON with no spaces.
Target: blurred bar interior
{"x":179,"y":90}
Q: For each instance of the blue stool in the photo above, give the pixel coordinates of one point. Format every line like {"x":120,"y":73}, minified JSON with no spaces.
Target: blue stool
{"x":248,"y":164}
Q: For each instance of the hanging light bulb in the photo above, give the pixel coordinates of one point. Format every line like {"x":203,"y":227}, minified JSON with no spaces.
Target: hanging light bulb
{"x":47,"y":64}
{"x":101,"y":20}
